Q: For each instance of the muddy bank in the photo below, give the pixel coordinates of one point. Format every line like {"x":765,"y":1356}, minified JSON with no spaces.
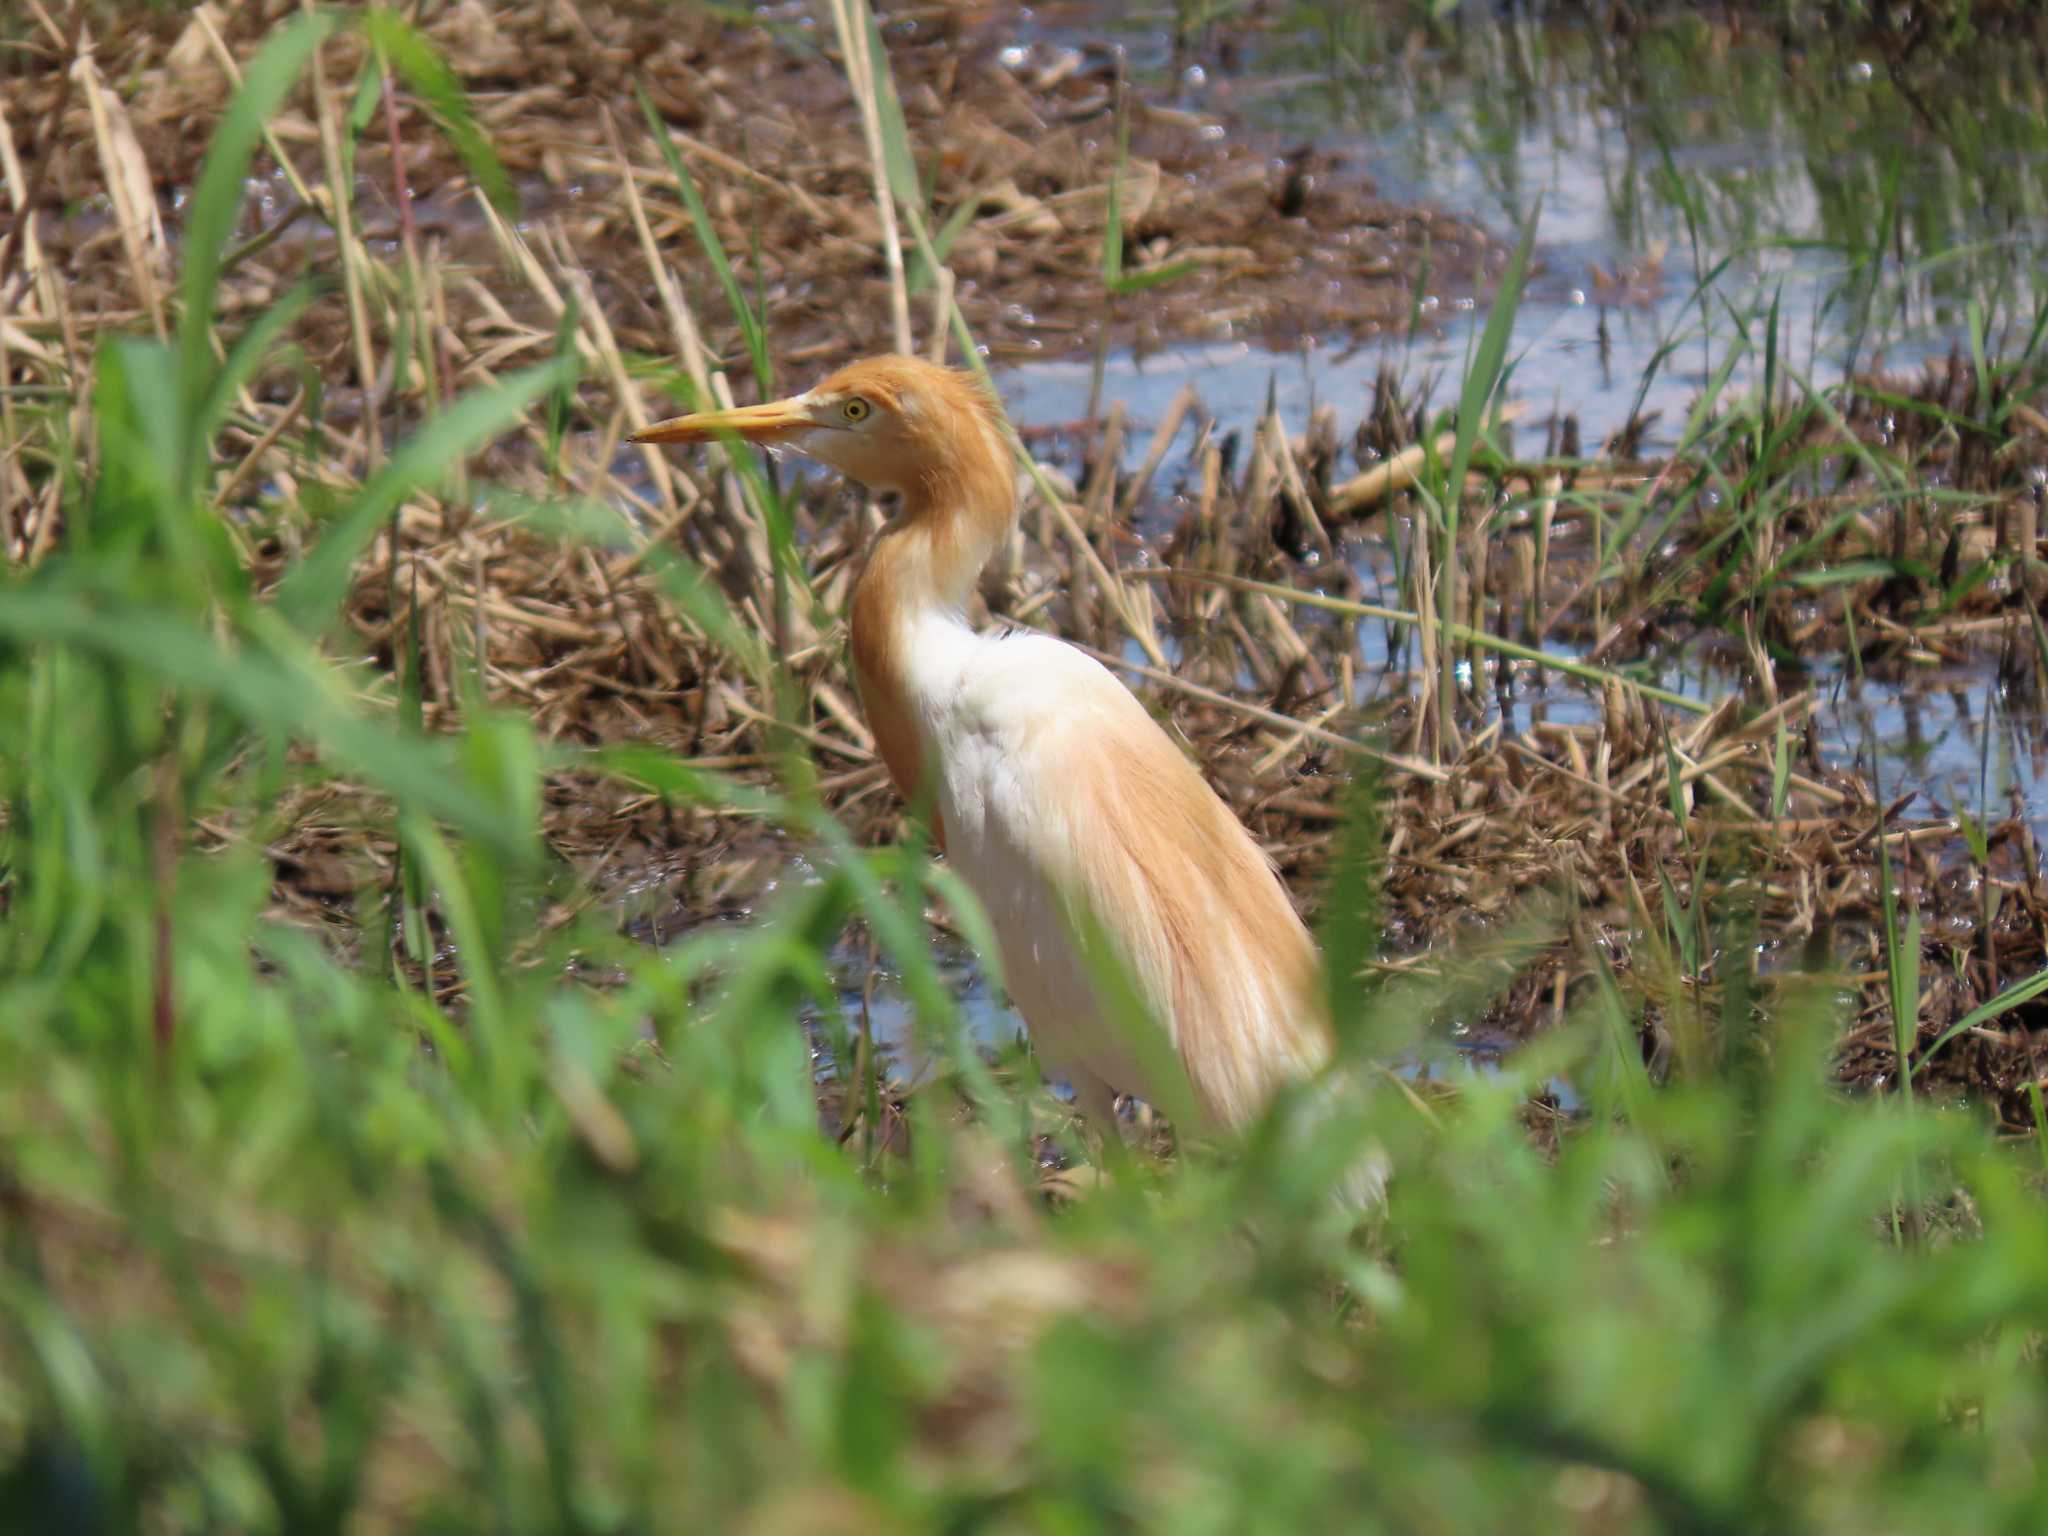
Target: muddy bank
{"x":1016,"y":146}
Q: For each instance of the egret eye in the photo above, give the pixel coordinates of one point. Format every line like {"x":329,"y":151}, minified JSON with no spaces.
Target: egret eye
{"x":855,"y":409}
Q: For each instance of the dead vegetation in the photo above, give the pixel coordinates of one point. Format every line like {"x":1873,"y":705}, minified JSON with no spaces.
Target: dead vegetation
{"x":1641,"y":813}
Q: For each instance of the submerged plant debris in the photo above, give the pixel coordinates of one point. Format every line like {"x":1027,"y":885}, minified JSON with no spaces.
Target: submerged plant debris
{"x":1800,"y":545}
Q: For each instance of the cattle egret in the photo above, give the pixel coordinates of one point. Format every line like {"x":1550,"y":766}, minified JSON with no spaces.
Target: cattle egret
{"x":1053,"y":792}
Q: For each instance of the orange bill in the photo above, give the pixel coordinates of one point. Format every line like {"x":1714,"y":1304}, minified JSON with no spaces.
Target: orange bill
{"x":775,"y":422}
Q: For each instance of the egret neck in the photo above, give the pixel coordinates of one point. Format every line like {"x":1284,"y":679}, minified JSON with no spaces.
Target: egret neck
{"x":917,"y":580}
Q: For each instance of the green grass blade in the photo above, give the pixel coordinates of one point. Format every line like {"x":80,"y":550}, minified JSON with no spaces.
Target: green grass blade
{"x":751,"y":328}
{"x":1464,"y":634}
{"x":1354,"y":903}
{"x":247,"y":357}
{"x":2017,"y":995}
{"x":1482,"y":377}
{"x":420,"y":65}
{"x":217,"y":199}
{"x":278,"y":697}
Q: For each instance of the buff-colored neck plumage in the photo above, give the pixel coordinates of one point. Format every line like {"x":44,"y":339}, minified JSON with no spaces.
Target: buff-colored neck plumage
{"x":959,"y":504}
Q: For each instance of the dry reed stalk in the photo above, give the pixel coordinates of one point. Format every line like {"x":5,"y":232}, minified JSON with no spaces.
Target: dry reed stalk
{"x":1255,"y":494}
{"x":1295,"y":488}
{"x":850,"y":19}
{"x":130,"y":188}
{"x":1386,"y":479}
{"x":856,"y":751}
{"x":1404,"y":468}
{"x":1265,"y":675}
{"x":1207,"y":526}
{"x":823,"y":216}
{"x":206,"y":18}
{"x":25,"y":190}
{"x":1474,"y":589}
{"x":1286,"y":640}
{"x":281,"y":422}
{"x":593,"y":325}
{"x":1111,"y":586}
{"x":2027,"y":538}
{"x":355,"y":260}
{"x":1289,"y":742}
{"x":1760,"y":665}
{"x":682,"y":324}
{"x":1101,"y":484}
{"x":745,"y":536}
{"x":942,"y":314}
{"x":1407,"y":765}
{"x":14,"y":486}
{"x":1522,"y":601}
{"x":1422,"y":586}
{"x":1576,"y":775}
{"x":1163,"y":434}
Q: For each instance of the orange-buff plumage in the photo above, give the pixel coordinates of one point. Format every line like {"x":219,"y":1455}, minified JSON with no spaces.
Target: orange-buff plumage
{"x":1059,"y":800}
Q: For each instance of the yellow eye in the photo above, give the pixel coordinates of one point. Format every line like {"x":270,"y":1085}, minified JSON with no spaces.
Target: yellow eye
{"x":855,"y":409}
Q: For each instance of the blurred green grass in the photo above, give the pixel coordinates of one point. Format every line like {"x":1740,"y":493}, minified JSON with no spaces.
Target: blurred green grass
{"x":296,"y":1241}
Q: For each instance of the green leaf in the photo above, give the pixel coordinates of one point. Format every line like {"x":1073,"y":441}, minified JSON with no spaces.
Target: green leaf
{"x":217,"y":199}
{"x":1354,"y":902}
{"x":1482,"y":377}
{"x":751,"y":330}
{"x":422,"y":68}
{"x":678,"y":779}
{"x":362,"y":108}
{"x":1781,"y":770}
{"x":278,"y":698}
{"x":562,"y":399}
{"x":2014,"y":996}
{"x":898,"y":159}
{"x":1848,"y":573}
{"x":138,"y":489}
{"x":943,"y":239}
{"x":1150,"y":277}
{"x":245,"y":359}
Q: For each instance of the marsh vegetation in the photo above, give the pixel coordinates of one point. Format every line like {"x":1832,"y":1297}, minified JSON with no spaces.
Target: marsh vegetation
{"x":481,"y":1047}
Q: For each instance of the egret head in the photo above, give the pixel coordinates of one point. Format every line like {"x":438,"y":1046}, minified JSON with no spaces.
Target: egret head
{"x":892,"y":423}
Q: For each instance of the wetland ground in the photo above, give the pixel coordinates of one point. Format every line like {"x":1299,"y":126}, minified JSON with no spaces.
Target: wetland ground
{"x":1616,"y":434}
{"x":1773,"y":442}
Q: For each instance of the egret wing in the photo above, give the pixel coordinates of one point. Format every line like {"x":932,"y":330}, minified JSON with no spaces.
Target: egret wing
{"x":1062,"y":795}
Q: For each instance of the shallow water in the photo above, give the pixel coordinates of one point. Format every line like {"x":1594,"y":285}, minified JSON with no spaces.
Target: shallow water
{"x":1792,"y":171}
{"x":1935,"y":741}
{"x":1796,"y":171}
{"x":872,"y":998}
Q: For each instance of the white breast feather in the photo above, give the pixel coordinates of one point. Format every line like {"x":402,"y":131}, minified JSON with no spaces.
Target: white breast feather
{"x":1053,"y":779}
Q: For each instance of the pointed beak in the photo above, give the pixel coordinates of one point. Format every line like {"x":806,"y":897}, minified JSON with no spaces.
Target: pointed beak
{"x":776,"y":422}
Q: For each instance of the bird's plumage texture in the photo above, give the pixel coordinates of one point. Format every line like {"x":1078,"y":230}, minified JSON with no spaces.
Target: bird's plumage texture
{"x":1062,"y":803}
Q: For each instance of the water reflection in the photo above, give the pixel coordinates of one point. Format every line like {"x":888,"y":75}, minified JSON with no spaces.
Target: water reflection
{"x":1692,"y":174}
